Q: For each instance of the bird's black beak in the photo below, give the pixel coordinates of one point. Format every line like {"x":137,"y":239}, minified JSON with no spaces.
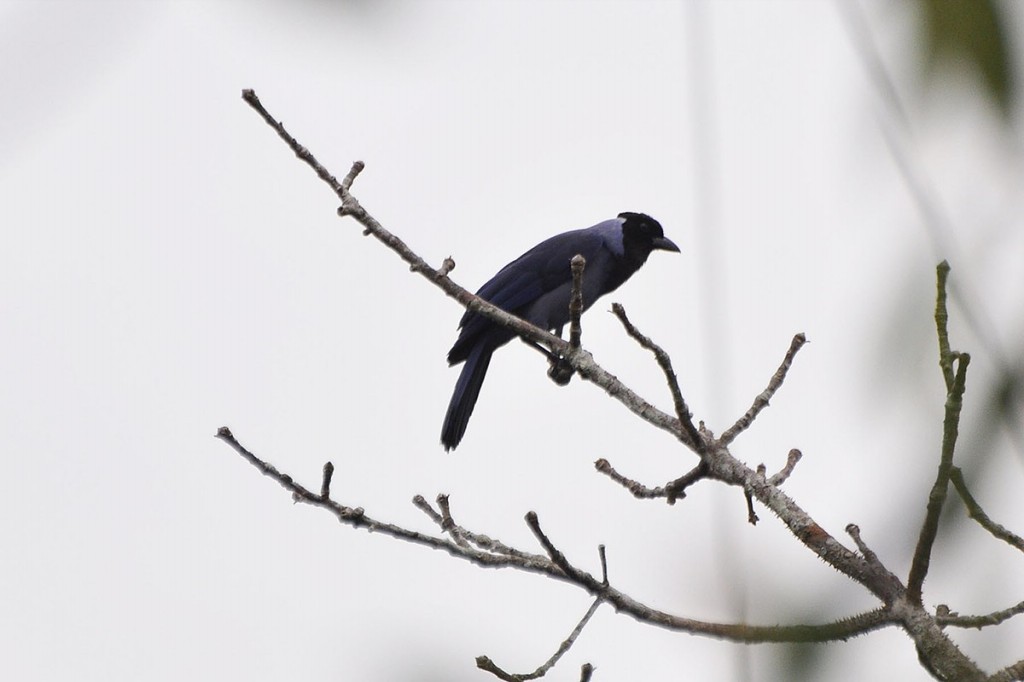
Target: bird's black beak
{"x":665,"y":244}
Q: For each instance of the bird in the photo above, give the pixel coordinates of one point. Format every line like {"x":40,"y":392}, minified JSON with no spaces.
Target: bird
{"x":536,"y":287}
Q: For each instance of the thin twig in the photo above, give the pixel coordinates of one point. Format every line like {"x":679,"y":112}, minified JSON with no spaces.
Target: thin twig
{"x":357,"y":518}
{"x":950,"y":431}
{"x":448,"y":524}
{"x":483,"y":542}
{"x":506,"y":557}
{"x":665,"y":362}
{"x":485,"y":663}
{"x":639,"y":490}
{"x":975,"y":511}
{"x":853,"y":530}
{"x":994,"y":618}
{"x":325,"y":484}
{"x":556,"y":556}
{"x":762,"y":400}
{"x":421,"y":503}
{"x":946,"y":356}
{"x":752,"y":517}
{"x":304,"y":154}
{"x":578,"y":263}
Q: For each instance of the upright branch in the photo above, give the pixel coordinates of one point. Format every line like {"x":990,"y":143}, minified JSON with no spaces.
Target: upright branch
{"x":577,"y":264}
{"x":950,"y":431}
{"x":561,"y":369}
{"x":946,"y":356}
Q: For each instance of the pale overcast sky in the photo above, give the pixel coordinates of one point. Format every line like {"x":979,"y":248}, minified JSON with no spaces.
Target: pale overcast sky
{"x":170,"y":267}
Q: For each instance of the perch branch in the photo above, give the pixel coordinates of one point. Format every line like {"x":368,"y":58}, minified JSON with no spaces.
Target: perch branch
{"x":580,"y":360}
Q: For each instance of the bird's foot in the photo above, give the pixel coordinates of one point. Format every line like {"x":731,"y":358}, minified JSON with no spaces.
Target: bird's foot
{"x":560,"y":370}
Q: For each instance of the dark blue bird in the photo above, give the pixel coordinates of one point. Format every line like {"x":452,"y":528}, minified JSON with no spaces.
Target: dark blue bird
{"x":536,"y":287}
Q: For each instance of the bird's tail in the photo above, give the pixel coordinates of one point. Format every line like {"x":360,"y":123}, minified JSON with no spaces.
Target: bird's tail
{"x":467,"y":390}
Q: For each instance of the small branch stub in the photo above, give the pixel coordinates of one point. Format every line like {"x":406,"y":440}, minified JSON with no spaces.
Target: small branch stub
{"x":325,"y":485}
{"x":447,"y":266}
{"x":791,"y":461}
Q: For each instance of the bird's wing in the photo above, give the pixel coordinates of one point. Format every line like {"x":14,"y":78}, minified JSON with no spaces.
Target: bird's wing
{"x":543,"y":268}
{"x":540,"y":270}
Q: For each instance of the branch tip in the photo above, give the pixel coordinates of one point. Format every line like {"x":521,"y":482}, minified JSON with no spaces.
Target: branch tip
{"x":786,"y":471}
{"x":752,"y":517}
{"x":353,"y":173}
{"x":639,"y":490}
{"x":325,"y":485}
{"x":447,"y":265}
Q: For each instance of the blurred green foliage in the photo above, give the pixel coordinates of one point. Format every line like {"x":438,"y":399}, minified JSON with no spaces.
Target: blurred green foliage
{"x":972,"y":33}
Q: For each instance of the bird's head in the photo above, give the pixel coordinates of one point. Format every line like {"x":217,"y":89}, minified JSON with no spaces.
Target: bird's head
{"x":644,"y":233}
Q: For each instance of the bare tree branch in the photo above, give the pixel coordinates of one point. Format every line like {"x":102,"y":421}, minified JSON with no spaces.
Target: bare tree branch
{"x":950,"y":431}
{"x":582,"y":361}
{"x":762,"y":400}
{"x":900,"y":605}
{"x":485,"y":663}
{"x":946,"y":356}
{"x":975,"y":511}
{"x":577,"y":264}
{"x":325,"y":485}
{"x":490,"y":553}
{"x":665,"y":362}
{"x":787,"y":471}
{"x":994,"y":618}
{"x":639,"y":490}
{"x":854,"y":532}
